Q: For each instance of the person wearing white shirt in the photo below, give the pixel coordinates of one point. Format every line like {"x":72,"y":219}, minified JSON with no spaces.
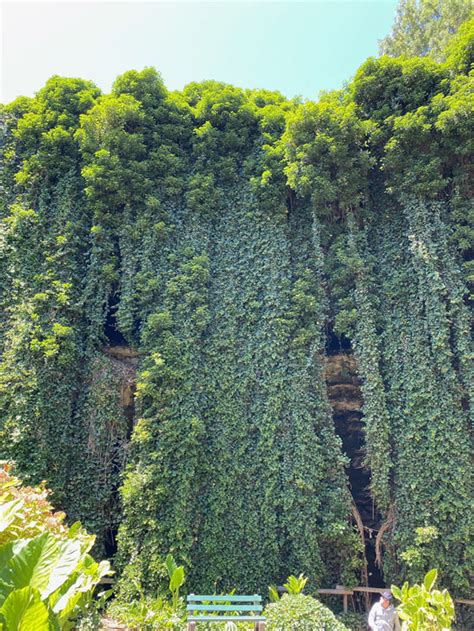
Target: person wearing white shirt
{"x":383,"y":615}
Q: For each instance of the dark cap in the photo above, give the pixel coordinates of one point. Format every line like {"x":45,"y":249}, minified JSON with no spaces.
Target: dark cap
{"x":387,"y":595}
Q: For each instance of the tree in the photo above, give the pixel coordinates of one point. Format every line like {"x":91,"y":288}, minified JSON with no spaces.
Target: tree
{"x":425,"y":27}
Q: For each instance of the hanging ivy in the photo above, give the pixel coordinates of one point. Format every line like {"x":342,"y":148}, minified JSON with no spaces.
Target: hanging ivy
{"x":214,"y":235}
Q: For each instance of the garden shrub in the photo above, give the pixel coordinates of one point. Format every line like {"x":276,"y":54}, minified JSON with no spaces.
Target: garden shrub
{"x":47,"y":576}
{"x":25,"y":511}
{"x":423,"y":608}
{"x":353,"y":621}
{"x":301,"y":613}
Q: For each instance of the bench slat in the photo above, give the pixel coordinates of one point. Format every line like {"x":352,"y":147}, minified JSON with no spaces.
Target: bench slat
{"x":213,"y":598}
{"x":225,"y":618}
{"x":236,"y":607}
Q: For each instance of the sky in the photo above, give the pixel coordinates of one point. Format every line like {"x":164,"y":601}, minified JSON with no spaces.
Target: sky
{"x":298,"y":48}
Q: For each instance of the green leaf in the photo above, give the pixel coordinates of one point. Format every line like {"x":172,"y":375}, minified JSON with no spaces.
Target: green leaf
{"x":177,"y":579}
{"x":43,"y":563}
{"x":430,"y":579}
{"x":396,"y":591}
{"x":24,"y":610}
{"x":69,"y":554}
{"x":273,"y":593}
{"x":33,"y":561}
{"x":8,"y":512}
{"x":170,"y":565}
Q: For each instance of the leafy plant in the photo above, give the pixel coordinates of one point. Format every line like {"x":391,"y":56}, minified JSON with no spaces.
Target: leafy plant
{"x":353,"y":621}
{"x":423,"y":608}
{"x":273,"y":594}
{"x":26,"y":511}
{"x":414,"y":555}
{"x":177,"y":578}
{"x":425,"y":28}
{"x":138,"y":609}
{"x":147,"y":613}
{"x":47,"y":581}
{"x":301,"y":613}
{"x":295,"y":585}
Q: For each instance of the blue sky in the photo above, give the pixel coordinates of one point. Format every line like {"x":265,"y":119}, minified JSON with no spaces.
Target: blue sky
{"x":299,"y":48}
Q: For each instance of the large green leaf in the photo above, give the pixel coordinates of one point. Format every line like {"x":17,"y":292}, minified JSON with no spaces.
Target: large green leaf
{"x":6,"y":585}
{"x":77,"y":588}
{"x":8,"y":512}
{"x":66,"y":606}
{"x":177,"y":579}
{"x":67,"y":562}
{"x":33,"y":561}
{"x":170,"y":565}
{"x":430,"y":579}
{"x":397,"y":592}
{"x":24,"y":610}
{"x":43,"y":563}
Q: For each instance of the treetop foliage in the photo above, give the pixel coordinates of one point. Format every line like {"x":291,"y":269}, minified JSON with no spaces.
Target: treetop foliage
{"x":425,"y":27}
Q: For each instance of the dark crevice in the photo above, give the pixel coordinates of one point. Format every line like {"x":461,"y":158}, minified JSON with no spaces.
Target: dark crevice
{"x":350,"y":429}
{"x":111,"y":331}
{"x":337,"y":343}
{"x":124,"y":363}
{"x":345,"y":396}
{"x":129,"y":411}
{"x":110,"y":542}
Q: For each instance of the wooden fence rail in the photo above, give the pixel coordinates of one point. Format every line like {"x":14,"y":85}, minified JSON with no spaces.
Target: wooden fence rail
{"x":345,"y":593}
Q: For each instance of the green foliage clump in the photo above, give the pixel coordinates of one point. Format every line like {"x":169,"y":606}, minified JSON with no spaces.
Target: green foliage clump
{"x":396,"y":260}
{"x":324,"y":142}
{"x":146,"y":612}
{"x":302,"y":613}
{"x":353,"y":621}
{"x":295,"y":584}
{"x":47,"y":577}
{"x":26,"y":511}
{"x":424,"y":28}
{"x":386,"y":87}
{"x":424,"y":608}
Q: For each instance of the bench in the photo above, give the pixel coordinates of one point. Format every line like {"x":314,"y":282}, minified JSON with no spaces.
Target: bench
{"x":225,"y":609}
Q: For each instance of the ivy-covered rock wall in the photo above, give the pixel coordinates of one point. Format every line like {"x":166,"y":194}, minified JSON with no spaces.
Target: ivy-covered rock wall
{"x":221,"y":234}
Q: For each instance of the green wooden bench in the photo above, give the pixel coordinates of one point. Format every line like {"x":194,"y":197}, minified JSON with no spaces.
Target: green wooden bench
{"x":225,"y":609}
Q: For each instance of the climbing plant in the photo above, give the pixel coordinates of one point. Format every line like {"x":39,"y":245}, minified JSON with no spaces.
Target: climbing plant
{"x":215,"y":235}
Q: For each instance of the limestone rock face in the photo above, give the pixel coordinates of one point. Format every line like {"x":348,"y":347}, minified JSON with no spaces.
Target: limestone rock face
{"x":124,"y":353}
{"x":124,"y":363}
{"x":341,"y":368}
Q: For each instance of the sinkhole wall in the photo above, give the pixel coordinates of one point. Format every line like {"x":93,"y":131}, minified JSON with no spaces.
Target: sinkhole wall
{"x":172,"y":267}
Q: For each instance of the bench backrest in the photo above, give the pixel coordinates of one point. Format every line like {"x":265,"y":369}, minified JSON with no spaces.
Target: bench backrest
{"x":224,"y":604}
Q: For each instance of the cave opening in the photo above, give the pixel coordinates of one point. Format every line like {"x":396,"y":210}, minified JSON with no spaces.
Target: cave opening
{"x":345,"y":397}
{"x":350,"y":429}
{"x":127,"y":361}
{"x":112,"y":333}
{"x":123,"y":362}
{"x":110,"y":542}
{"x":337,"y":343}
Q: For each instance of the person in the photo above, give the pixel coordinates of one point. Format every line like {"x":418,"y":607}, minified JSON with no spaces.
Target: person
{"x":383,"y":615}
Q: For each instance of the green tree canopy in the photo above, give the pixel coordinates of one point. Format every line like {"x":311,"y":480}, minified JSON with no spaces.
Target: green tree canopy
{"x":425,"y":27}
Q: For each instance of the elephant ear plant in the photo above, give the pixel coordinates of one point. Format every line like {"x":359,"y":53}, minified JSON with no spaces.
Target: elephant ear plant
{"x":177,"y":578}
{"x":47,"y":576}
{"x":46,"y":582}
